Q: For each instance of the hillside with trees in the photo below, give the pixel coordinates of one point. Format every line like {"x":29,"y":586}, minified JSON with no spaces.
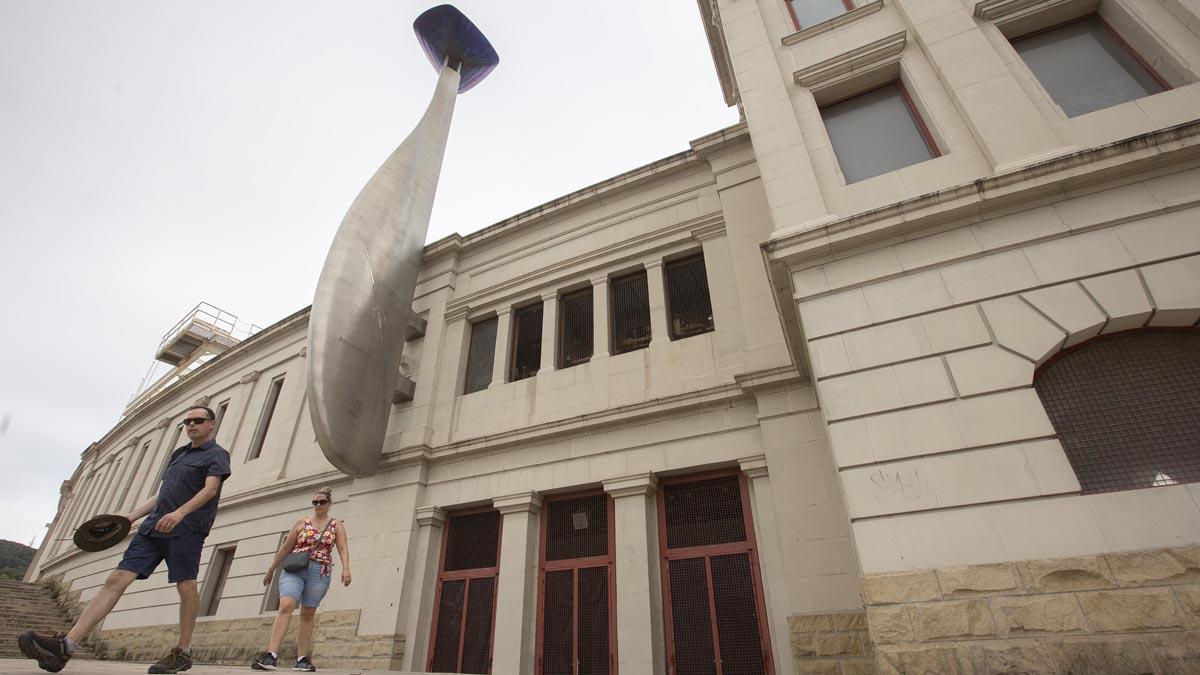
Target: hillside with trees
{"x":14,"y":558}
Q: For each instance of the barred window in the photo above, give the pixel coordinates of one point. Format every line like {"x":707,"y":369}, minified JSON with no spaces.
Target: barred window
{"x":527,"y":342}
{"x":575,"y":328}
{"x":689,"y":306}
{"x":464,"y":613}
{"x":264,"y":422}
{"x":1124,"y":409}
{"x":481,"y":355}
{"x":630,"y":313}
{"x":576,"y":609}
{"x":712,"y":579}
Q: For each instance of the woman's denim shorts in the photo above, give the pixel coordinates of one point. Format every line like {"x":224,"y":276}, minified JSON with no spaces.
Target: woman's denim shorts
{"x":308,"y":586}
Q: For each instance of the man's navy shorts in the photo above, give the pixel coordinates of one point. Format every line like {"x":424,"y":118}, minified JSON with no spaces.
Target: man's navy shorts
{"x":182,"y":553}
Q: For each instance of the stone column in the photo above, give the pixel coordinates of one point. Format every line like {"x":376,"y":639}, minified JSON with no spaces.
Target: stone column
{"x":422,"y":581}
{"x":503,"y":334}
{"x":549,"y":332}
{"x":658,"y":303}
{"x":516,"y":590}
{"x":600,"y":329}
{"x":770,"y":560}
{"x":640,"y":641}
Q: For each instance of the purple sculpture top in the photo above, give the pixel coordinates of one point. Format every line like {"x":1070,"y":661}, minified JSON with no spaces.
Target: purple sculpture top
{"x":446,"y":35}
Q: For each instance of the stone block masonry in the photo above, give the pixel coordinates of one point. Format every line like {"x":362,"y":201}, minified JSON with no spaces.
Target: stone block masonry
{"x":336,"y":642}
{"x":1131,"y":612}
{"x":833,"y":643}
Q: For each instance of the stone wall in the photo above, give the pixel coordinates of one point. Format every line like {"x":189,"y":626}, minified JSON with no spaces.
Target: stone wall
{"x":831,"y":643}
{"x":1133,"y":612}
{"x":336,"y":643}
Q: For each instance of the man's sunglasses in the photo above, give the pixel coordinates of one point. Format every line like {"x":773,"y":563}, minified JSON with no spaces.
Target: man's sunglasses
{"x":320,"y":502}
{"x":195,"y":420}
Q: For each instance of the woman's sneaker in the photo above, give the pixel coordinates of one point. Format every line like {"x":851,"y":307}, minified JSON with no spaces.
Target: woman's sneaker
{"x":304,"y":665}
{"x":264,"y":661}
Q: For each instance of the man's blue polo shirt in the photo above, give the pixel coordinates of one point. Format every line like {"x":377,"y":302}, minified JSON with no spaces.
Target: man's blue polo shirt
{"x":181,"y":481}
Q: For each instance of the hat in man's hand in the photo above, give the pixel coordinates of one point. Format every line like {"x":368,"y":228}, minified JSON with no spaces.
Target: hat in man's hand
{"x":101,"y":532}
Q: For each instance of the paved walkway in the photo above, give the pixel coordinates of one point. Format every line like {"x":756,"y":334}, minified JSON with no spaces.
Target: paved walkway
{"x":88,"y":667}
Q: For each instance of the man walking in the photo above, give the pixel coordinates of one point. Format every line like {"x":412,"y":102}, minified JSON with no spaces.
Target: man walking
{"x":180,"y":517}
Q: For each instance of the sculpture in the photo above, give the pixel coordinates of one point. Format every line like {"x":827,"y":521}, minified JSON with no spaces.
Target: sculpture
{"x":363,"y":302}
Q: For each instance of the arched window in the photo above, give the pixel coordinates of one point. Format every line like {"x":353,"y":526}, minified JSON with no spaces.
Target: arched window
{"x":1127,"y":408}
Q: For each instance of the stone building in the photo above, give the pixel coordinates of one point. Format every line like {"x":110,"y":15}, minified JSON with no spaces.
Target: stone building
{"x":900,"y":374}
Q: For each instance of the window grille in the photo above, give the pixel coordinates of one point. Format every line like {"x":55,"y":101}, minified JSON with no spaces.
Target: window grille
{"x":876,"y":132}
{"x":1124,"y":408}
{"x":466,"y":596}
{"x":575,"y":328}
{"x":527,"y":342}
{"x":687,"y":293}
{"x":473,"y":541}
{"x":481,"y":355}
{"x":704,"y":512}
{"x":575,"y":620}
{"x":264,"y":422}
{"x":1085,"y":66}
{"x":714,"y":604}
{"x":630,"y":313}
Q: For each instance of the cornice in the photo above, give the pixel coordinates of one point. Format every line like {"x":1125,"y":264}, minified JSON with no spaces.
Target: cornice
{"x":428,"y":516}
{"x":638,"y":485}
{"x":971,"y":202}
{"x":851,"y":64}
{"x":523,"y":502}
{"x":754,"y":466}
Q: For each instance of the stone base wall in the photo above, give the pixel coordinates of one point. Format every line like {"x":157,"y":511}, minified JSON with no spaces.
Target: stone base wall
{"x":831,"y":644}
{"x":336,"y":642}
{"x":1134,"y":612}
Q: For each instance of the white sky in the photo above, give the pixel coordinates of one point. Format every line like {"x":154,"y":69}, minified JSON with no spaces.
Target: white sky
{"x":157,"y":154}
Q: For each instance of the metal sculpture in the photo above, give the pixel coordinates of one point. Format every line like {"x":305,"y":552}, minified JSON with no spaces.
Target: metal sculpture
{"x":363,"y":303}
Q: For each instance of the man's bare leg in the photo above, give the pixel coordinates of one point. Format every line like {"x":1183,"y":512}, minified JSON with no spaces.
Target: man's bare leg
{"x":189,"y":604}
{"x":99,"y":606}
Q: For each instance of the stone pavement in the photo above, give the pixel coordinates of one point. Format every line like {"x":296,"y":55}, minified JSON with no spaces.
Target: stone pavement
{"x":89,"y":667}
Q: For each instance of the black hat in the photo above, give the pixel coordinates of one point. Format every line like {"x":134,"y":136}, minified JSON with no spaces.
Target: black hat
{"x":101,"y":532}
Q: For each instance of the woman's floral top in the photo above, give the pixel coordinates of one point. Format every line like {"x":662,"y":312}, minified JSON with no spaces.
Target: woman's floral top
{"x":318,"y":542}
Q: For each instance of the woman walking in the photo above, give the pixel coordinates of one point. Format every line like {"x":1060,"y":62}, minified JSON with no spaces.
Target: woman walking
{"x":316,"y":536}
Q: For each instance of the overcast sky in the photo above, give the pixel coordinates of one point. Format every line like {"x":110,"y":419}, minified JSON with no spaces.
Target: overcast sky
{"x":158,"y":154}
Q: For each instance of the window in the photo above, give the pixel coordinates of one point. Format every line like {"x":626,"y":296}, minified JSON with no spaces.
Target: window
{"x":877,"y":132}
{"x":171,"y":447}
{"x":218,"y":573}
{"x":809,"y":12}
{"x":264,"y":422}
{"x":630,"y":313}
{"x":1124,"y":408}
{"x":1085,"y":66}
{"x":575,"y":328}
{"x":137,"y":467}
{"x":713,"y":603}
{"x":527,"y":342}
{"x":222,"y":408}
{"x":271,"y":599}
{"x":576,"y":609}
{"x":481,"y":355}
{"x":464,"y":610}
{"x":688,"y":305}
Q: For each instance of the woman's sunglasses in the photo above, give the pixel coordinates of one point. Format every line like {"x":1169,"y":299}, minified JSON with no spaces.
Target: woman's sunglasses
{"x":320,"y":502}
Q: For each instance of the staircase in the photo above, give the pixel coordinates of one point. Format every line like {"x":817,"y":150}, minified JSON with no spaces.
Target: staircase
{"x":29,"y":607}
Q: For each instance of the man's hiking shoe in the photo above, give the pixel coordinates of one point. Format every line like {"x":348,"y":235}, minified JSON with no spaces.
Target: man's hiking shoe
{"x":264,"y":661}
{"x":50,"y":652}
{"x":304,"y":665}
{"x":175,"y":662}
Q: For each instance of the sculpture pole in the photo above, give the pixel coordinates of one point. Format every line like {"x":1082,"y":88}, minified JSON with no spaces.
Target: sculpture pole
{"x":363,"y":302}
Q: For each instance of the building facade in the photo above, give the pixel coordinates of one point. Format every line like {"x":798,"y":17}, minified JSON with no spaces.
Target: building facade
{"x":896,"y":375}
